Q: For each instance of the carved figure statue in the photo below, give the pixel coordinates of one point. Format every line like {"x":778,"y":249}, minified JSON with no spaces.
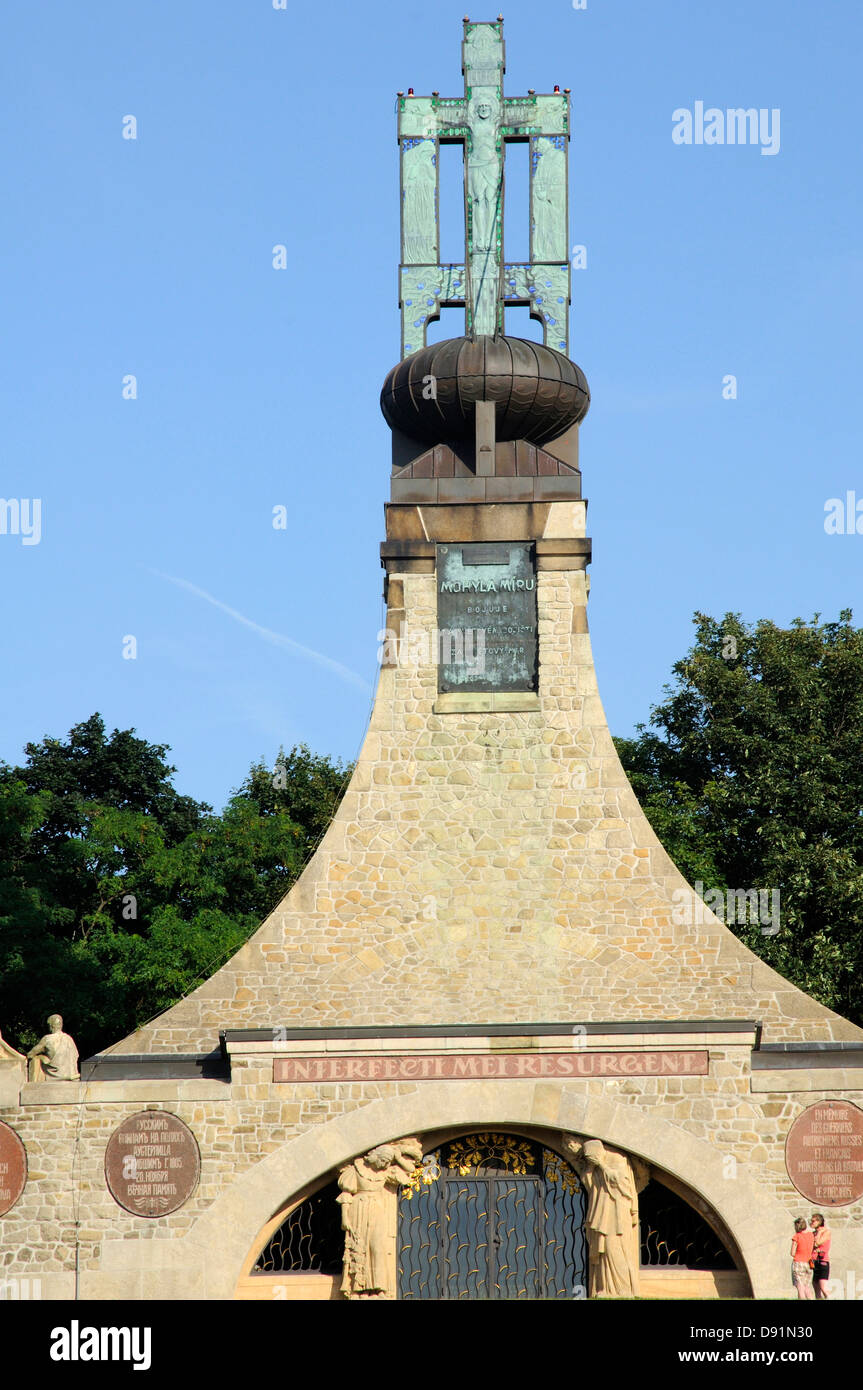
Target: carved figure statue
{"x":55,"y":1057}
{"x":484,"y":121}
{"x":369,"y":1202}
{"x":484,"y":175}
{"x":612,"y":1181}
{"x":420,"y":186}
{"x":549,"y":203}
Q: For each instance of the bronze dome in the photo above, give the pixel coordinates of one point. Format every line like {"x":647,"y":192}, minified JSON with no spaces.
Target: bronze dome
{"x":538,"y":393}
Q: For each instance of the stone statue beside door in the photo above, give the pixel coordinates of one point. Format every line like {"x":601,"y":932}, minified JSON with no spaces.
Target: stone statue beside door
{"x":368,"y":1196}
{"x":612,"y":1181}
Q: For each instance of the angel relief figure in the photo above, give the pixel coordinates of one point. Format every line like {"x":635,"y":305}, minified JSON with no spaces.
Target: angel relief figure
{"x":419,"y":194}
{"x":549,"y":201}
{"x":369,"y":1201}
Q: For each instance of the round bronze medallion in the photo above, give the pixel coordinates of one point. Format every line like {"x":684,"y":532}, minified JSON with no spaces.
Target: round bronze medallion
{"x":824,"y":1153}
{"x":13,"y":1167}
{"x":152,"y":1163}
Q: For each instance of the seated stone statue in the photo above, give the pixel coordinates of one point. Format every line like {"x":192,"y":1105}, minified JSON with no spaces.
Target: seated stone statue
{"x":55,"y":1057}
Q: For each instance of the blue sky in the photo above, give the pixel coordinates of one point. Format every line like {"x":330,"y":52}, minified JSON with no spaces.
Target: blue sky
{"x":259,"y":387}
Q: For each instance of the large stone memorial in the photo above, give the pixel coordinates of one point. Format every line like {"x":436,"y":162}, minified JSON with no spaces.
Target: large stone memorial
{"x":490,"y":1044}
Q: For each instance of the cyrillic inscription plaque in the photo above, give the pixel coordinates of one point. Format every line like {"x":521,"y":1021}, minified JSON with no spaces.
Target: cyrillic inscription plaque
{"x":152,"y":1163}
{"x":824,"y":1153}
{"x":13,"y":1167}
{"x":487,"y":616}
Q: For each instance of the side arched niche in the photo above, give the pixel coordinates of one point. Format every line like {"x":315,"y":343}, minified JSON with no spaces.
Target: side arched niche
{"x":687,"y":1250}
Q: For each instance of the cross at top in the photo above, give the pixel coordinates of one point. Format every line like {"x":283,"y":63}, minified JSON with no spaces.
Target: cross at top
{"x":483,"y":121}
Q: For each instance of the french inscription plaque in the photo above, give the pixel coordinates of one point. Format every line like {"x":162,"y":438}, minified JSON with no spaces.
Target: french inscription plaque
{"x":487,"y":616}
{"x":152,"y":1163}
{"x":824,"y":1153}
{"x":13,"y":1167}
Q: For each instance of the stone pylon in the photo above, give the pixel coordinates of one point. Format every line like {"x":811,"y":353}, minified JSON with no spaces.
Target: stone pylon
{"x":489,"y":949}
{"x":489,"y":862}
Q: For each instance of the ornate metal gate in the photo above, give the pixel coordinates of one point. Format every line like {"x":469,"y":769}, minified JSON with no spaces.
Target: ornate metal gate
{"x":492,"y":1216}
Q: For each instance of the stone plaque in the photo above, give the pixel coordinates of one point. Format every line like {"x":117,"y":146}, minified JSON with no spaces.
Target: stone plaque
{"x":13,"y":1167}
{"x":824,"y":1153}
{"x":152,"y":1163}
{"x":487,"y":617}
{"x":514,"y":1066}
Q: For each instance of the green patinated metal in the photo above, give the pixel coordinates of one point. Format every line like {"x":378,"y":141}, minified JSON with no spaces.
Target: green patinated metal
{"x":484,"y":121}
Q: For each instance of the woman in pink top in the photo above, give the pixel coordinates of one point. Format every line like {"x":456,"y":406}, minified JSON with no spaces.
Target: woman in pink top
{"x":801,"y":1253}
{"x":821,"y":1255}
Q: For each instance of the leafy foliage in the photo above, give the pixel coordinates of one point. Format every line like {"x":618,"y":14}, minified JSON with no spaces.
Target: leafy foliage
{"x":755,"y":780}
{"x":118,"y":895}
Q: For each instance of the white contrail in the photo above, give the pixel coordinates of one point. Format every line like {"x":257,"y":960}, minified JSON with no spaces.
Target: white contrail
{"x":276,"y":638}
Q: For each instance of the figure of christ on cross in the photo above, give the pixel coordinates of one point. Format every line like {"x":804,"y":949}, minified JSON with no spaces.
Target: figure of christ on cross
{"x":483,"y":120}
{"x":484,"y":158}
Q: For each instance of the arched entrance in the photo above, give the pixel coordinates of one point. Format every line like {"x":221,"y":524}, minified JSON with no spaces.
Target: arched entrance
{"x":221,"y":1247}
{"x":492,"y":1216}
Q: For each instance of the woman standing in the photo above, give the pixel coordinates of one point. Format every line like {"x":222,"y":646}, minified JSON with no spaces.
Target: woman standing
{"x":820,"y":1254}
{"x":802,"y":1243}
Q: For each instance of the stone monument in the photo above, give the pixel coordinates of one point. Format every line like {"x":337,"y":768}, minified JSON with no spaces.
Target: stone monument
{"x":490,"y":950}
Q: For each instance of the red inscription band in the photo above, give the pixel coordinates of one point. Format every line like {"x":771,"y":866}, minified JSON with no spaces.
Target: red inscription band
{"x":515,"y":1066}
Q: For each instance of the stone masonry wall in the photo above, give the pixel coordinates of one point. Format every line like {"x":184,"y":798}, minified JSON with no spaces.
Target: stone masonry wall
{"x":482,"y":868}
{"x":255,"y":1118}
{"x":489,"y":867}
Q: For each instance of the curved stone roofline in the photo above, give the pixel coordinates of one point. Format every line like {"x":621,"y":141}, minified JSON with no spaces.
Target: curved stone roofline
{"x":327,"y":949}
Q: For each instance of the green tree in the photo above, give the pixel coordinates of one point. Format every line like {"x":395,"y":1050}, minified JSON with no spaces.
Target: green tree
{"x":303,"y":785}
{"x":101,"y":798}
{"x":118,"y":895}
{"x":755,"y":781}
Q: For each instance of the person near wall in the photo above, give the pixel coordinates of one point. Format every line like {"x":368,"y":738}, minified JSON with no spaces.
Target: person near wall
{"x":820,"y":1255}
{"x":802,"y":1244}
